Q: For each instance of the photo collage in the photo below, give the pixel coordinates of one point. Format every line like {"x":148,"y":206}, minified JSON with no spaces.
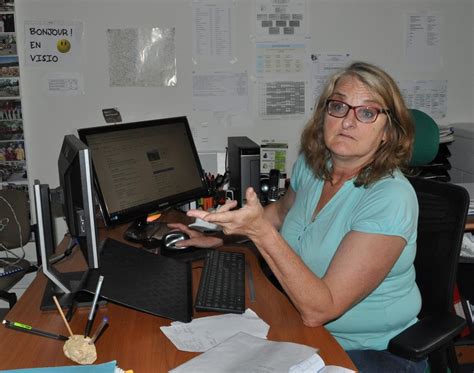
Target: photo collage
{"x":13,"y":173}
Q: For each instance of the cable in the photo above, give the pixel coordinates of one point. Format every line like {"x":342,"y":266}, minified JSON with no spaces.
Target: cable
{"x":8,"y":250}
{"x":72,"y":244}
{"x":226,"y":161}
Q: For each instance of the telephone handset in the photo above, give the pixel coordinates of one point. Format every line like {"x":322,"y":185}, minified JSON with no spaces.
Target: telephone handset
{"x":273,"y":185}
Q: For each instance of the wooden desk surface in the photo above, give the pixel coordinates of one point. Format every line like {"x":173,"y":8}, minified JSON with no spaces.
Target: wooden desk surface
{"x":134,"y":338}
{"x":470,"y":223}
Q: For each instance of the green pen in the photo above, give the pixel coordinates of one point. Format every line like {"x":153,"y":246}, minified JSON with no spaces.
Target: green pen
{"x":29,"y":329}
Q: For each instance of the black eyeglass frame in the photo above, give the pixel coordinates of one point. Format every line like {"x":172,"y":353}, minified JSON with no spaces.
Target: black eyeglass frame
{"x":354,"y":108}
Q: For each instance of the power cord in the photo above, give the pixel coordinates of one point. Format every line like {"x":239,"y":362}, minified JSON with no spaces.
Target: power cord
{"x":3,"y":225}
{"x":71,"y":245}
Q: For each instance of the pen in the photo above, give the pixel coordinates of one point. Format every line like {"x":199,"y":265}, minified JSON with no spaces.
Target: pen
{"x":28,"y":329}
{"x":103,"y":325}
{"x":90,"y":318}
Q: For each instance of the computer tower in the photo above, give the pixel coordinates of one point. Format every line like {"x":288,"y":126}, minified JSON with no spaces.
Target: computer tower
{"x":244,"y":166}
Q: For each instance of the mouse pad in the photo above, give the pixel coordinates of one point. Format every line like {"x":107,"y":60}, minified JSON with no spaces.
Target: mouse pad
{"x":144,"y":281}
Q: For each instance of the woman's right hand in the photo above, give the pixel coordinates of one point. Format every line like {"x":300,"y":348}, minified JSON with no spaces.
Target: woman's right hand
{"x":197,"y":239}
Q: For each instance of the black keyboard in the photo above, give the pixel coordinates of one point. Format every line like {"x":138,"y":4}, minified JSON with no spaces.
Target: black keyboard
{"x":222,"y":285}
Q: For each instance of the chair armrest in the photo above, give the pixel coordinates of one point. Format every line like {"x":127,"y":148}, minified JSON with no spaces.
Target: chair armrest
{"x":427,"y":335}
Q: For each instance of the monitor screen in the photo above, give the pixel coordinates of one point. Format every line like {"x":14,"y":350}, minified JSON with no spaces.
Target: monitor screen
{"x":144,"y":167}
{"x":76,"y":183}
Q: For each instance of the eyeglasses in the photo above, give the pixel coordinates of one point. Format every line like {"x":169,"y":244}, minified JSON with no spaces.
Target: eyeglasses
{"x":364,"y":114}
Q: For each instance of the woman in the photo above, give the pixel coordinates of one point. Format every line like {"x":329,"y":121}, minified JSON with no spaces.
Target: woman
{"x":342,"y":240}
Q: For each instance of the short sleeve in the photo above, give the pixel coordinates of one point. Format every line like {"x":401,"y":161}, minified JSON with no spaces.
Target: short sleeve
{"x":390,"y":207}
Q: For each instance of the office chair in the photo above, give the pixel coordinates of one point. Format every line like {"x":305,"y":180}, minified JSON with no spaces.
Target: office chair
{"x":14,"y":233}
{"x":443,"y":210}
{"x":426,"y":144}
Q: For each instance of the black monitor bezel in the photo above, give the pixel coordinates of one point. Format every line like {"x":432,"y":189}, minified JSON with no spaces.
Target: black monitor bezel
{"x":74,"y":161}
{"x":140,"y":212}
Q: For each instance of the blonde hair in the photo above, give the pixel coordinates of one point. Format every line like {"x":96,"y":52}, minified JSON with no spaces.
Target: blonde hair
{"x":393,"y":153}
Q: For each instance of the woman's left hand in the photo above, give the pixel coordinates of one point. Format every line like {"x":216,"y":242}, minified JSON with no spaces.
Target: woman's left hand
{"x":248,"y":220}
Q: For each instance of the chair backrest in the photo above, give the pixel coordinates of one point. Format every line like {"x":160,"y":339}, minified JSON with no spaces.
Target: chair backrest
{"x":14,"y":214}
{"x":426,"y":143}
{"x":441,"y":222}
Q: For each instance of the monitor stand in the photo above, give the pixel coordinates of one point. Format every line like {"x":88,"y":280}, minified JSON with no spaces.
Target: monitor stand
{"x":74,"y":280}
{"x":143,"y":232}
{"x":70,"y":301}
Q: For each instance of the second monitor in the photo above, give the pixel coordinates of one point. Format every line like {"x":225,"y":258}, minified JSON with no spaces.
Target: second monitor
{"x":75,"y":177}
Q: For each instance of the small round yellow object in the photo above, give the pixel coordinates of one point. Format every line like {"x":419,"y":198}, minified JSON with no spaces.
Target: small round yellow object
{"x":63,"y":45}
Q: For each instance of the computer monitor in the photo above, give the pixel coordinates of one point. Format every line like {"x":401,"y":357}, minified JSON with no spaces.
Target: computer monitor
{"x":77,"y":187}
{"x":144,"y":167}
{"x":76,"y":182}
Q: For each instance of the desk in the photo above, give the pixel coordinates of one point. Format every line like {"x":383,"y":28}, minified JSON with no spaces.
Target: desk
{"x":470,"y":223}
{"x":134,"y":338}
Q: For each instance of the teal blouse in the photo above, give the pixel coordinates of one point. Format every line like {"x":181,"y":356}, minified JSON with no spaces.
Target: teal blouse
{"x":387,"y":207}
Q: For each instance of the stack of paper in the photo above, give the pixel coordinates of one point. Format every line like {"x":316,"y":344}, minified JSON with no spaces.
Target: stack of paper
{"x":237,"y":343}
{"x":201,"y":334}
{"x":246,"y":353}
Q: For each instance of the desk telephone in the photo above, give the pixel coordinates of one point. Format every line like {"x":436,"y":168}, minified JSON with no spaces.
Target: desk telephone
{"x":273,"y":185}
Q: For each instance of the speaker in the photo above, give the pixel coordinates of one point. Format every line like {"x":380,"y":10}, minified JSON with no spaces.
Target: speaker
{"x":244,"y":166}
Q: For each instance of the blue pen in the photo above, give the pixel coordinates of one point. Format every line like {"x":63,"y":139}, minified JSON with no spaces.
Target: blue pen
{"x":103,"y":325}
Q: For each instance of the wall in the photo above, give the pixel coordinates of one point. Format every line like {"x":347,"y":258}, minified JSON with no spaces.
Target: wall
{"x":369,"y":30}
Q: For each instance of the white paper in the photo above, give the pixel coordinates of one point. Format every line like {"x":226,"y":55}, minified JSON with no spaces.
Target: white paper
{"x":429,"y":96}
{"x":313,"y":364}
{"x":220,"y":92}
{"x":277,"y":19}
{"x":277,"y":59}
{"x":316,"y":364}
{"x":64,"y":84}
{"x":246,"y":353}
{"x":53,"y":43}
{"x":214,"y":33}
{"x":280,"y":99}
{"x":423,"y":40}
{"x":203,"y":333}
{"x":322,"y":66}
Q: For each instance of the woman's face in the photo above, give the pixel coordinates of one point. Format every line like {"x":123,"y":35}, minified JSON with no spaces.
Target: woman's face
{"x":349,"y":140}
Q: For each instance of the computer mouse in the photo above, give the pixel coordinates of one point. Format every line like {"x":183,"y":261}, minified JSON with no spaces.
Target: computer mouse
{"x":170,"y":239}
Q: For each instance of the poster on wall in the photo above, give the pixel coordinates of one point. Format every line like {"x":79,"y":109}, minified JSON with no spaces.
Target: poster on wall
{"x":53,"y":43}
{"x":214,"y":32}
{"x":324,"y":65}
{"x":280,"y":20}
{"x":429,"y":96}
{"x":142,"y":57}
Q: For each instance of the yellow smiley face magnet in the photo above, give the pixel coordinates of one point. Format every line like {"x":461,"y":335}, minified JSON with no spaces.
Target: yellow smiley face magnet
{"x":63,"y":45}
